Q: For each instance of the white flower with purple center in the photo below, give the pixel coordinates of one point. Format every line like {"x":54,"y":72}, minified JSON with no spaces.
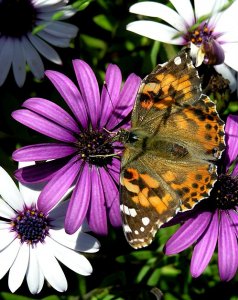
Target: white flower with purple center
{"x":210,"y":27}
{"x":32,"y":241}
{"x":27,"y":27}
{"x":84,"y":154}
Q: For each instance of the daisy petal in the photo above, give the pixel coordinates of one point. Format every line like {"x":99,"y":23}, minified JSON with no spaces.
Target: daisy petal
{"x":188,"y":233}
{"x":40,"y":172}
{"x":7,"y":237}
{"x":52,"y":112}
{"x":43,"y":125}
{"x":125,"y":101}
{"x":19,"y":63}
{"x":79,"y":201}
{"x":185,"y":10}
{"x":50,"y":266}
{"x":110,"y":92}
{"x":19,"y":267}
{"x":89,"y":88}
{"x":34,"y":275}
{"x":227,"y":248}
{"x":111,"y":192}
{"x":73,"y":260}
{"x":10,"y":192}
{"x":97,"y":205}
{"x":70,"y":94}
{"x":158,"y":10}
{"x":44,"y":49}
{"x":6,"y":56}
{"x":231,"y":130}
{"x":32,"y":58}
{"x":231,"y":55}
{"x":205,"y":247}
{"x":8,"y":255}
{"x":43,"y":152}
{"x":156,"y":31}
{"x":58,"y":185}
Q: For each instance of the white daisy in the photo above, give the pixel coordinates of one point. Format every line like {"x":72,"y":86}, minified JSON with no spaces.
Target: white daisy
{"x":210,"y":26}
{"x":32,"y":242}
{"x":27,"y":27}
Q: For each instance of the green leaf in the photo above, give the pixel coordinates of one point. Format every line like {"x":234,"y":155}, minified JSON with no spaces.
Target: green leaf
{"x":81,"y":4}
{"x":104,"y":22}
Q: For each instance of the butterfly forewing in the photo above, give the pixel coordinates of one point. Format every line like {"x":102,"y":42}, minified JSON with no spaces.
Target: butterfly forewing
{"x":169,"y":165}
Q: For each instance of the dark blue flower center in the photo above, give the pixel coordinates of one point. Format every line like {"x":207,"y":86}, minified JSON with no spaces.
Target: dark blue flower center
{"x":226,"y":192}
{"x":95,"y":147}
{"x":31,"y":226}
{"x":17,"y":17}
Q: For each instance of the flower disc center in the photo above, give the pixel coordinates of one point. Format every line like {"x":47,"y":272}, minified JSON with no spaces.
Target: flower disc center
{"x":95,"y":147}
{"x":31,"y":226}
{"x":17,"y":17}
{"x":226,"y":193}
{"x":200,"y":34}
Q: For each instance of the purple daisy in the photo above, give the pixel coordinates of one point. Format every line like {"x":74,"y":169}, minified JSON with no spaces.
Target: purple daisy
{"x":214,"y":222}
{"x":84,"y":156}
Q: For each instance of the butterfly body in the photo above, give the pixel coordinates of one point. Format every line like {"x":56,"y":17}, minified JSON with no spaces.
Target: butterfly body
{"x":169,"y":161}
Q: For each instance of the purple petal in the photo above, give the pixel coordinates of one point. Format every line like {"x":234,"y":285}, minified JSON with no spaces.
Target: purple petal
{"x":205,"y":247}
{"x":79,"y":201}
{"x":40,"y":172}
{"x":111,"y":192}
{"x":89,"y":88}
{"x":114,"y":169}
{"x":70,"y":94}
{"x":110,"y":92}
{"x":42,"y":125}
{"x":42,"y":152}
{"x":227,"y":248}
{"x":231,"y":139}
{"x":97,"y":217}
{"x":125,"y":102}
{"x":188,"y":233}
{"x":52,"y":112}
{"x":58,"y":185}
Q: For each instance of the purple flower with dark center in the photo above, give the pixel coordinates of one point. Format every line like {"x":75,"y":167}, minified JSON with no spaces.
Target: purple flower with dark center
{"x":214,"y":221}
{"x":84,"y":155}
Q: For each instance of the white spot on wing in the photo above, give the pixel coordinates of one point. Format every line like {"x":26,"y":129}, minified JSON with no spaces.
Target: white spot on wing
{"x":145,"y":221}
{"x":177,"y":60}
{"x":127,"y":228}
{"x":128,"y":211}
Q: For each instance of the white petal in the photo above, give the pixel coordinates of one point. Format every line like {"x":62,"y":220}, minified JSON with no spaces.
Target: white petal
{"x":50,"y":267}
{"x":156,"y":31}
{"x":73,"y":260}
{"x":9,"y":191}
{"x":204,"y":7}
{"x":6,"y":211}
{"x":44,"y":49}
{"x":4,"y":225}
{"x":58,"y":212}
{"x":228,"y":21}
{"x":231,"y":51}
{"x":7,"y":237}
{"x":227,"y":73}
{"x":7,"y":256}
{"x":33,"y":58}
{"x":153,"y":9}
{"x":30,"y":192}
{"x":6,"y":57}
{"x":185,"y":10}
{"x":19,"y":267}
{"x":34,"y":275}
{"x":78,"y":241}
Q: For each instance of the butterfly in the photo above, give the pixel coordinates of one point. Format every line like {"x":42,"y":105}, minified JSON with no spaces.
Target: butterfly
{"x":170,"y":152}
